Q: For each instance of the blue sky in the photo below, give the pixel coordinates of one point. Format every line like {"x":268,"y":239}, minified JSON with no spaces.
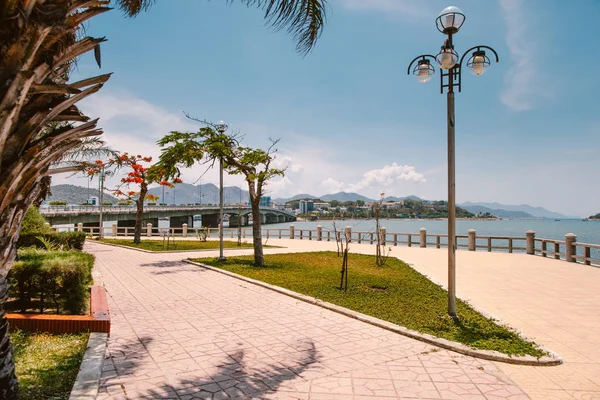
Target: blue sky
{"x":348,"y":116}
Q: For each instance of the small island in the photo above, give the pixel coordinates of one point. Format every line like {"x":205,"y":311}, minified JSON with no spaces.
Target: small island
{"x":314,"y":209}
{"x":597,"y":216}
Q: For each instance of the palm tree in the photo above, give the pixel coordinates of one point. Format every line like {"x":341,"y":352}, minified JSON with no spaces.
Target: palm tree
{"x":39,"y":118}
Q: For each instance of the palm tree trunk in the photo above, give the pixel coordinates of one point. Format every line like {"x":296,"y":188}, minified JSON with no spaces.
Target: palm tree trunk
{"x":259,"y":259}
{"x":11,"y":217}
{"x":9,"y":387}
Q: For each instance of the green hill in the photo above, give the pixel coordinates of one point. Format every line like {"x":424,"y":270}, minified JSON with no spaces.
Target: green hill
{"x":76,"y":194}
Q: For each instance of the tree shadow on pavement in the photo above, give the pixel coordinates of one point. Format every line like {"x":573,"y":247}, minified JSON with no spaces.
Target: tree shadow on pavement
{"x":172,"y":267}
{"x":240,"y":378}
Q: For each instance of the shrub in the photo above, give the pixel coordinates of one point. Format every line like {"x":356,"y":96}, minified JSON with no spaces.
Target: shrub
{"x":34,"y":222}
{"x":151,"y":204}
{"x":58,"y":203}
{"x":125,"y":203}
{"x":68,"y":240}
{"x":51,"y":279}
{"x":107,"y":203}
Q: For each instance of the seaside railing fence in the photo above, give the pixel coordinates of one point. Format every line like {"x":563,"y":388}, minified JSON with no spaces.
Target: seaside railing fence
{"x":569,"y":249}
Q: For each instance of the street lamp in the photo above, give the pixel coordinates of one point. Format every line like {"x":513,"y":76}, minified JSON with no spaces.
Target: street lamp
{"x":449,"y":23}
{"x":221,"y":128}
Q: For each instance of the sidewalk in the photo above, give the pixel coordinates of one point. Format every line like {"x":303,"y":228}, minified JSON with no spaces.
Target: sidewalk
{"x":182,"y":332}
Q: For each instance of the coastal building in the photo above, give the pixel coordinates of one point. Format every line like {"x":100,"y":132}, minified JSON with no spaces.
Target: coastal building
{"x":265,"y":201}
{"x":306,"y":206}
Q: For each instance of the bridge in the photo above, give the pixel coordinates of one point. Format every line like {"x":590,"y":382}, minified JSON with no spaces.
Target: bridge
{"x":124,"y":216}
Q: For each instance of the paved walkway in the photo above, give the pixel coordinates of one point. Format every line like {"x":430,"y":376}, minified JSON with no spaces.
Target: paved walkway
{"x":182,"y":332}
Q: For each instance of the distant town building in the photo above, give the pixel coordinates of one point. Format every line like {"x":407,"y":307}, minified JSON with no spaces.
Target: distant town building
{"x":94,"y":201}
{"x":306,"y":206}
{"x":265,"y":201}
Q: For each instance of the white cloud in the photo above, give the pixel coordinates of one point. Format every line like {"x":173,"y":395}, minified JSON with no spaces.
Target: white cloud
{"x":330,"y":185}
{"x":133,"y":125}
{"x":523,"y":79}
{"x":404,"y":8}
{"x":287,"y":163}
{"x":279,"y":187}
{"x":377,"y":179}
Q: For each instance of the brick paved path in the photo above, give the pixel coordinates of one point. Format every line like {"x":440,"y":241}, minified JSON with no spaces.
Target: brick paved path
{"x":182,"y":332}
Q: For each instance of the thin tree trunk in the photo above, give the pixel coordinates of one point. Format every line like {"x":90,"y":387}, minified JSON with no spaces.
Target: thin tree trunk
{"x":139,"y":215}
{"x":259,"y":259}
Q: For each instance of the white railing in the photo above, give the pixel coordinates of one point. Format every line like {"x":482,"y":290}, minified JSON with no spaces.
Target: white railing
{"x":568,"y":250}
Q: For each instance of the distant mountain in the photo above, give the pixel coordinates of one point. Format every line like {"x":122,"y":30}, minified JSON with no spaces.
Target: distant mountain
{"x":185,"y":193}
{"x":497,"y":213}
{"x":343,"y":196}
{"x":296,"y":197}
{"x":76,"y":194}
{"x":536,"y":212}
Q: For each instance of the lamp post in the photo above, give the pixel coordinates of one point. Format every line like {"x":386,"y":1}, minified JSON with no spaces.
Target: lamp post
{"x":449,"y":23}
{"x":101,"y":200}
{"x":221,"y":128}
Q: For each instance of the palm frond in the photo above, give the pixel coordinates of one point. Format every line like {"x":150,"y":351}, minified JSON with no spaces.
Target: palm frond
{"x":88,"y":149}
{"x":303,"y":19}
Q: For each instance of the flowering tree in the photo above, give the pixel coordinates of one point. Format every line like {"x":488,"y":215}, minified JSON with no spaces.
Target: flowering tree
{"x":134,"y":187}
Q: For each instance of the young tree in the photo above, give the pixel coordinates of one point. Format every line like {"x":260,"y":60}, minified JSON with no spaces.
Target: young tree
{"x":134,"y":187}
{"x":380,"y":252}
{"x":184,"y":149}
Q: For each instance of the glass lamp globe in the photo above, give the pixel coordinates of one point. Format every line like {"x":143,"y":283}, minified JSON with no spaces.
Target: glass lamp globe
{"x":446,"y":58}
{"x":450,"y":20}
{"x":423,"y":71}
{"x":478,"y":63}
{"x":221,"y":126}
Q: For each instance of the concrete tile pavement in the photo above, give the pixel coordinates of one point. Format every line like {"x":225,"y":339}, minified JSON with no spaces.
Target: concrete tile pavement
{"x":553,"y":302}
{"x":182,"y":332}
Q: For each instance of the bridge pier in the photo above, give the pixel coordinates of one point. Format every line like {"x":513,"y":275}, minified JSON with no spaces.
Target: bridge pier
{"x":235,"y":220}
{"x":210,"y":220}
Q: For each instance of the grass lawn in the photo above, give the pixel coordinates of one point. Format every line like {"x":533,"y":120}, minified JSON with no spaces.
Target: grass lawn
{"x":46,"y":364}
{"x":394,"y":292}
{"x":157,"y":245}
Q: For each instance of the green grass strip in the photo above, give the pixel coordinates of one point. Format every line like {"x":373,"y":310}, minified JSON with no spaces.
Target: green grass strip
{"x":47,"y":364}
{"x":395,"y":293}
{"x":157,"y":245}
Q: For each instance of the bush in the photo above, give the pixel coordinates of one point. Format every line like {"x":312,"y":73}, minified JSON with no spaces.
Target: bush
{"x":107,"y":203}
{"x":34,"y":222}
{"x":125,"y":203}
{"x":58,"y":203}
{"x":51,"y":279}
{"x":69,"y":240}
{"x":151,"y":204}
